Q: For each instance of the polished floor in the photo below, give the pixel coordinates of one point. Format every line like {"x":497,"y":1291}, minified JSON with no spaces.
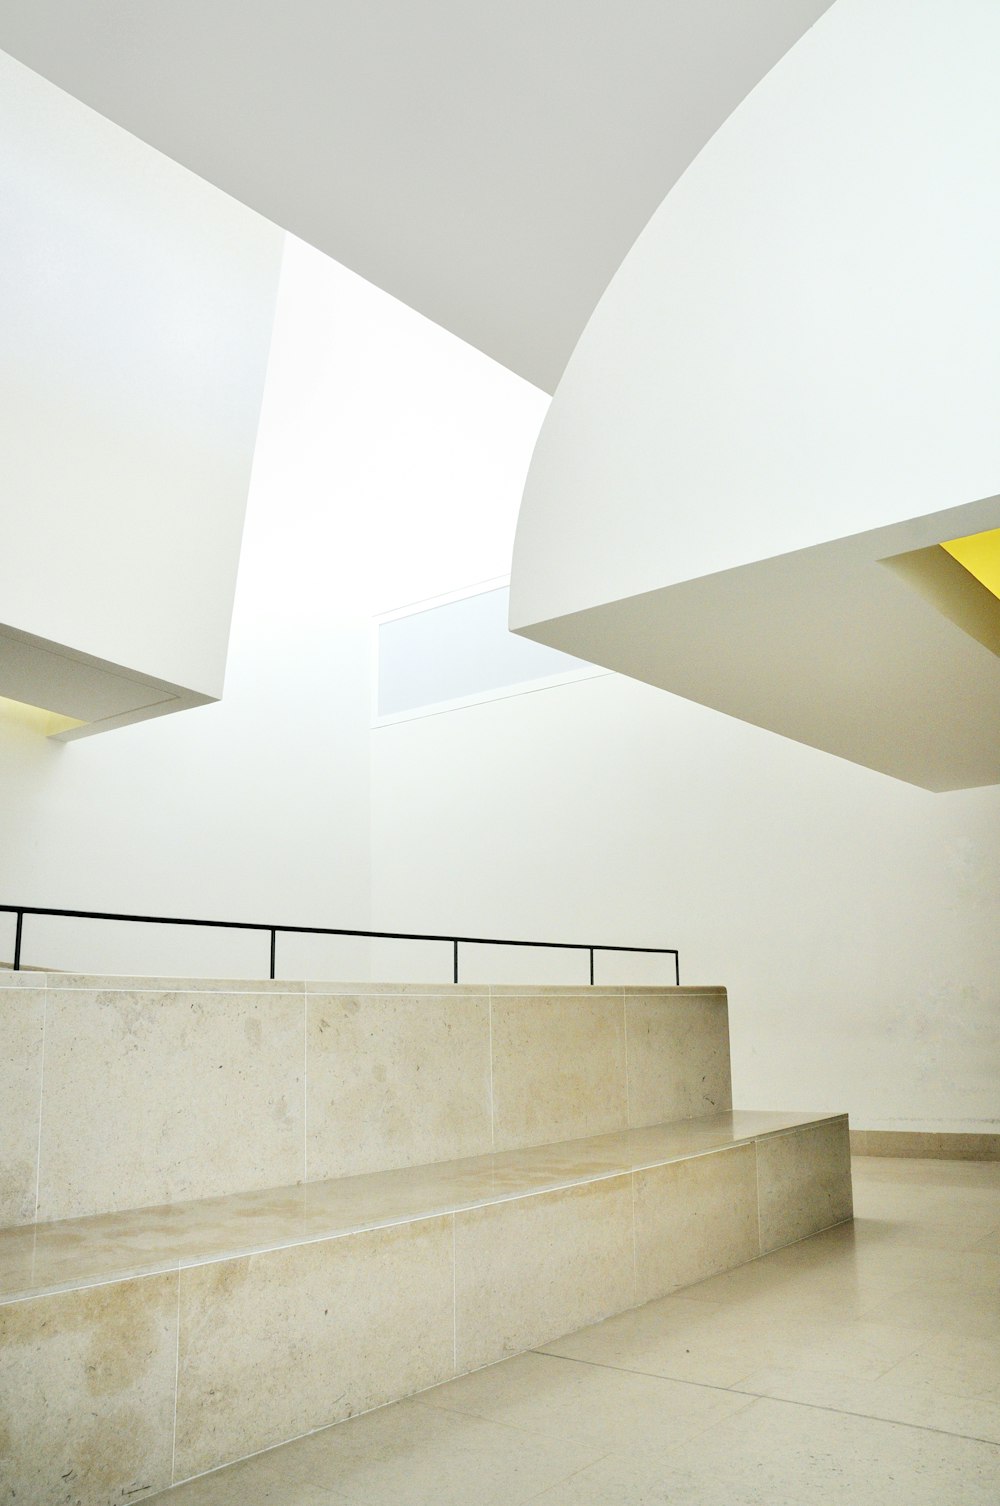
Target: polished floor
{"x":860,"y":1366}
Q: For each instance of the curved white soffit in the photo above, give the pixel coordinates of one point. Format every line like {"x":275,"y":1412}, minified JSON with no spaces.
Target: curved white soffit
{"x":804,"y":343}
{"x":488,"y":164}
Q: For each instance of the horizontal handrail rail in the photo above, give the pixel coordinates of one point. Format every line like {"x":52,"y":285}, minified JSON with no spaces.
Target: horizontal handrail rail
{"x":20,"y":911}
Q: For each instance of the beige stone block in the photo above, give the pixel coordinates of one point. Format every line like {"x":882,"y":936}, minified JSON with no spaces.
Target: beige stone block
{"x":22,"y":1014}
{"x":87,"y":1393}
{"x":275,"y":1345}
{"x":558,"y":1066}
{"x":396,"y":1080}
{"x":531,"y":1269}
{"x":803,"y":1182}
{"x":693,"y":1219}
{"x":156,"y":1097}
{"x":678,"y":1055}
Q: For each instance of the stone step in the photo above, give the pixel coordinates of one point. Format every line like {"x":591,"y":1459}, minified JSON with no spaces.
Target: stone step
{"x":140,"y":1348}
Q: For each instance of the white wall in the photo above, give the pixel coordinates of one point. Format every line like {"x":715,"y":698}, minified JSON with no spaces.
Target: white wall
{"x":853,"y":918}
{"x":136,"y":306}
{"x":389,"y":463}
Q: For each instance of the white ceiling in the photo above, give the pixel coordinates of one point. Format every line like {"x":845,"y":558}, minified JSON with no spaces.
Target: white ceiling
{"x":488,"y":164}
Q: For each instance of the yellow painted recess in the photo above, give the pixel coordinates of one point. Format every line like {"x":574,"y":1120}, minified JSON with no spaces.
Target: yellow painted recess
{"x":980,"y":555}
{"x":48,"y":723}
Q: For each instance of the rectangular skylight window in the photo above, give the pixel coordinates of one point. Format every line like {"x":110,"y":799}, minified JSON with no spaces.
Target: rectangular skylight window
{"x":446,"y":655}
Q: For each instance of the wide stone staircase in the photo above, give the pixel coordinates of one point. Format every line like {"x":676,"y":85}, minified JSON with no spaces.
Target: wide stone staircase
{"x":238,"y":1212}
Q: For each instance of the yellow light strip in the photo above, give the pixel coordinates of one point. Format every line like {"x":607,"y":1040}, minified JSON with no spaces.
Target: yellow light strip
{"x":48,"y":723}
{"x":980,"y":555}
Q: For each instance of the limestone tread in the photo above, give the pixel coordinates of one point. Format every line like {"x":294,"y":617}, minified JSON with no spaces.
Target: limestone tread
{"x":75,"y":1253}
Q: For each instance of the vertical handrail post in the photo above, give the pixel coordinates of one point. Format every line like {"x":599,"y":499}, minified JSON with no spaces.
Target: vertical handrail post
{"x":274,"y":933}
{"x":677,"y":968}
{"x":454,"y":969}
{"x":591,"y":967}
{"x":17,"y":941}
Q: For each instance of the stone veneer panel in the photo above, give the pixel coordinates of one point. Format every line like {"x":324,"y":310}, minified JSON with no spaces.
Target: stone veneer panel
{"x":87,"y":1393}
{"x":678,"y":1055}
{"x":803,"y":1182}
{"x":153,"y":1097}
{"x":693,"y":1219}
{"x":275,"y":1345}
{"x":22,"y":1015}
{"x":536,"y":1267}
{"x":558,"y":1066}
{"x":396,"y":1080}
{"x":159,"y":1094}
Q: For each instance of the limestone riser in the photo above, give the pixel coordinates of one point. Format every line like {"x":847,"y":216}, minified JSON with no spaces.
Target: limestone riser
{"x":120,"y":1097}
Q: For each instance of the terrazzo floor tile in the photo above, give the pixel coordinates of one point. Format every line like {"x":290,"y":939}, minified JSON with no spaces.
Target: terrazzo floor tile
{"x":960,"y":1367}
{"x":598,"y":1406}
{"x":620,"y":1481}
{"x":413,"y":1455}
{"x":828,"y":1284}
{"x":945,"y":1307}
{"x":969,"y":1232}
{"x":666,"y":1337}
{"x":723,"y":1347}
{"x":810,"y":1454}
{"x":796,"y":1456}
{"x":251,"y":1484}
{"x":921,"y":1404}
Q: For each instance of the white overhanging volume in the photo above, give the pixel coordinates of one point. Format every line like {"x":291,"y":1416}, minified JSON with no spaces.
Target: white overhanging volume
{"x":789,"y":384}
{"x":136,"y":305}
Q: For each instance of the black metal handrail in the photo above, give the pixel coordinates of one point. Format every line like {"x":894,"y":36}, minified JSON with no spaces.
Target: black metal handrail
{"x":20,"y":911}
